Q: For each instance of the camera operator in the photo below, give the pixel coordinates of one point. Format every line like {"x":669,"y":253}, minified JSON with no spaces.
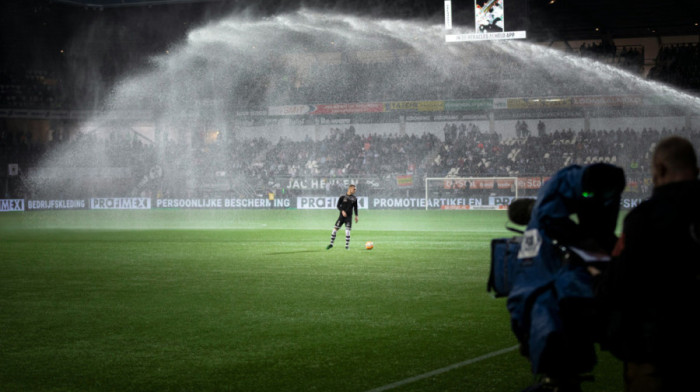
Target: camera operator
{"x":551,"y":302}
{"x":650,"y":290}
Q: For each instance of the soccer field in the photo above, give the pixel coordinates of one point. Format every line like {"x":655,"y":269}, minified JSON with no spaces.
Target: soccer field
{"x":245,"y":300}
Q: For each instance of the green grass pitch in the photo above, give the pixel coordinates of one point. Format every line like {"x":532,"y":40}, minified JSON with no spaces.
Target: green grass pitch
{"x":244,"y":300}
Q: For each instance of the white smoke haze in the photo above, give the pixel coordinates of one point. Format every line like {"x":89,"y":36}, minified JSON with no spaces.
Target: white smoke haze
{"x":305,"y":57}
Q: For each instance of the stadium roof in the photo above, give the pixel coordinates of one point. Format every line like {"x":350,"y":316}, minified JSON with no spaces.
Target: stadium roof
{"x":549,"y":19}
{"x":126,"y":3}
{"x":573,"y":19}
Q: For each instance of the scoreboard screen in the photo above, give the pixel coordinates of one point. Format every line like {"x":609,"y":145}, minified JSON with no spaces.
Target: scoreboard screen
{"x":482,"y":20}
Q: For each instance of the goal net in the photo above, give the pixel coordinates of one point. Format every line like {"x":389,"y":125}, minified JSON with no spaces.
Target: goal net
{"x":470,"y":193}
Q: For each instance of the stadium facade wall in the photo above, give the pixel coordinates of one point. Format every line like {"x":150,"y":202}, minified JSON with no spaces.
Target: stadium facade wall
{"x":582,"y":113}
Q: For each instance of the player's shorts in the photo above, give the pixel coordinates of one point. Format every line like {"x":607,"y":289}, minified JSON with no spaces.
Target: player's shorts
{"x":344,"y":221}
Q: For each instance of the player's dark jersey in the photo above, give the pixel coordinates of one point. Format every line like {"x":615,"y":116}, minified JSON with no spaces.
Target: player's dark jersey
{"x":348,"y":203}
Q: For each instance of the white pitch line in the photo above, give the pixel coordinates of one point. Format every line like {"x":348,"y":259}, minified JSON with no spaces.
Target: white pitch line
{"x":442,"y":370}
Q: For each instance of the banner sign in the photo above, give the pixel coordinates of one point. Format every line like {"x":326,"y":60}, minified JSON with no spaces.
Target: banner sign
{"x":482,"y":207}
{"x":404,"y":181}
{"x":608,"y":101}
{"x":252,"y":113}
{"x":469,"y":104}
{"x":337,"y":108}
{"x":530,"y":182}
{"x":500,"y":103}
{"x":478,"y":184}
{"x":56,"y":204}
{"x":120,"y":203}
{"x":498,"y":36}
{"x":290,"y":110}
{"x":421,"y":118}
{"x":448,"y":15}
{"x":541,"y":114}
{"x":11,"y":205}
{"x":628,"y":203}
{"x":301,"y":202}
{"x":457,"y":184}
{"x":412,"y":202}
{"x":523,"y":183}
{"x":346,"y":108}
{"x":322,"y":183}
{"x":334,"y":121}
{"x":326,"y":203}
{"x":417,"y":106}
{"x":500,"y":200}
{"x":459,"y":105}
{"x":538,"y":103}
{"x":223,"y":203}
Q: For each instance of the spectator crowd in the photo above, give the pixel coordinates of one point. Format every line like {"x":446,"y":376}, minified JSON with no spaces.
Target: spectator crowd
{"x":678,"y":65}
{"x":256,"y":165}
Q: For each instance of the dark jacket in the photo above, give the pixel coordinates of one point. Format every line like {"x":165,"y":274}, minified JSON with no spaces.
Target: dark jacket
{"x":650,"y":293}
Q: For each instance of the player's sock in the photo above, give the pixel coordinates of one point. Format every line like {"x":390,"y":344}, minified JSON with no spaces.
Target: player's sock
{"x":335,"y":231}
{"x":347,"y":239}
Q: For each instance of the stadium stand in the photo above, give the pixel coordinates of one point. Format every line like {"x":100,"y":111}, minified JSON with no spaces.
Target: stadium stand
{"x":35,"y":89}
{"x":391,"y":74}
{"x":678,"y":65}
{"x":465,"y":151}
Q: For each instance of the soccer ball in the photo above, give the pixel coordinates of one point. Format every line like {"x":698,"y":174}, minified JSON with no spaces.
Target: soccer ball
{"x":369,"y":245}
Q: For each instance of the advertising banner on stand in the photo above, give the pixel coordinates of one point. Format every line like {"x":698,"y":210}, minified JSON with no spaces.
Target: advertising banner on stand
{"x":120,"y":203}
{"x":224,"y":203}
{"x":7,"y":205}
{"x":405,"y":181}
{"x":326,"y":202}
{"x":78,"y":204}
{"x":347,"y":108}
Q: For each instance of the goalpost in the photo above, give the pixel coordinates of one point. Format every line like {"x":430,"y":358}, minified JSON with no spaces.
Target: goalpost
{"x":470,"y":193}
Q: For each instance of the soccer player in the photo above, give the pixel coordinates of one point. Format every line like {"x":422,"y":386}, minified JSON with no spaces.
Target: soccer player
{"x":346,"y":204}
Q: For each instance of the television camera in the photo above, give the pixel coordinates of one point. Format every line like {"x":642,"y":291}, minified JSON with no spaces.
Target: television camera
{"x":543,"y":271}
